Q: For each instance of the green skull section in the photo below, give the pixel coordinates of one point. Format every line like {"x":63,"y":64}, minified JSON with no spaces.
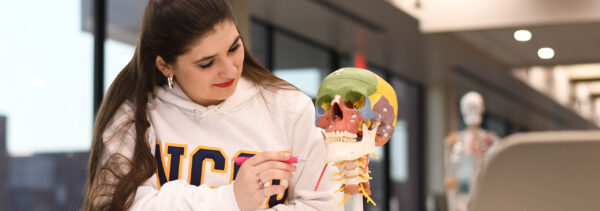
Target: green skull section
{"x":350,"y":83}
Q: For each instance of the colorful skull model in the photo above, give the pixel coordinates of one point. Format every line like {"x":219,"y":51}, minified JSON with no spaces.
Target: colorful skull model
{"x":358,"y":110}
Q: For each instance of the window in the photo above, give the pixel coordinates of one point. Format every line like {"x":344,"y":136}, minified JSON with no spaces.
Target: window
{"x":46,"y":107}
{"x":300,"y":63}
{"x":402,"y":175}
{"x":399,"y":155}
{"x":122,"y":27}
{"x":259,"y":46}
{"x":116,"y":56}
{"x":406,"y":148}
{"x":306,"y":79}
{"x":45,"y":76}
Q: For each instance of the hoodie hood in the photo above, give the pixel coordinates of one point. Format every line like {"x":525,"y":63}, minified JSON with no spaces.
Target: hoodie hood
{"x":244,"y":91}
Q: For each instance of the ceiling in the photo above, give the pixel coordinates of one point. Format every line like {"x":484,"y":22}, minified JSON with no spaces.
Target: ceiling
{"x":571,"y":28}
{"x":572,"y":43}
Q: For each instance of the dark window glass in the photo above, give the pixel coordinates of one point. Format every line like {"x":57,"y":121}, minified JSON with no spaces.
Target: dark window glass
{"x":259,"y":46}
{"x":122,"y":27}
{"x":300,"y":63}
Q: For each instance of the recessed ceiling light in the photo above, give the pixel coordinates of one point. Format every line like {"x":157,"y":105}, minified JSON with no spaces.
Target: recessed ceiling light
{"x":522,"y":35}
{"x":546,"y":53}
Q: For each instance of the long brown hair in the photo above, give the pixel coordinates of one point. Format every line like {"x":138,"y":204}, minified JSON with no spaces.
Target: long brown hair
{"x":168,"y":29}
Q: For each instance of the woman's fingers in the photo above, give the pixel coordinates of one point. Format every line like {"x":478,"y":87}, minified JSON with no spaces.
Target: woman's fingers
{"x":271,"y":174}
{"x":274,"y":165}
{"x":267,"y":156}
{"x":249,"y":186}
{"x":272,"y":190}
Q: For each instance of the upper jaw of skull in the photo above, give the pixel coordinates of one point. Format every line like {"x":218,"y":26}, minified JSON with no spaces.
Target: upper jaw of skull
{"x":340,"y":136}
{"x":342,"y":145}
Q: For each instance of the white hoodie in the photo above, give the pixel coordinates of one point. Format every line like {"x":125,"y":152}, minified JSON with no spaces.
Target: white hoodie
{"x":195,"y":145}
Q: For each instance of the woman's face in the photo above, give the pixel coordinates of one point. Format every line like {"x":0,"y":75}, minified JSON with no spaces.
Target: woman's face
{"x":209,"y":72}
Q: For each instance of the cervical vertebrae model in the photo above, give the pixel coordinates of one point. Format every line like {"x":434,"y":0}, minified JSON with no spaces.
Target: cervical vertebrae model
{"x":465,"y":153}
{"x":358,"y":110}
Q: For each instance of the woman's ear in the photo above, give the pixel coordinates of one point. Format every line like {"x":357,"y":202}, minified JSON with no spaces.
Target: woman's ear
{"x":163,"y":67}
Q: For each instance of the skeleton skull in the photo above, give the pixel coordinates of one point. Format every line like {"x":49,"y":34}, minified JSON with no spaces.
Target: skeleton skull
{"x":472,"y":107}
{"x":358,"y":109}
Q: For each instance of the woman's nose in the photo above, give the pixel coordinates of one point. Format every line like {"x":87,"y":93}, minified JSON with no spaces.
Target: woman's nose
{"x":229,"y":69}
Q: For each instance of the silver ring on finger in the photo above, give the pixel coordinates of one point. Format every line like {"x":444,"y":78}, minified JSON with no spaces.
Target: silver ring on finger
{"x":260,"y":183}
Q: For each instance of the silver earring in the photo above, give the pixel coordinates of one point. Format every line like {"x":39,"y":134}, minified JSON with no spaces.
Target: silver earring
{"x":170,"y":81}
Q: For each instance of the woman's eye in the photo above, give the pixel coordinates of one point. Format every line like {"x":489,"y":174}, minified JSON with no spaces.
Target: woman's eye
{"x":207,"y":65}
{"x":234,"y":48}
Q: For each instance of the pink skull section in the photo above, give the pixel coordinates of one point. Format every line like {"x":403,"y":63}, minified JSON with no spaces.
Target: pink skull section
{"x":340,"y":118}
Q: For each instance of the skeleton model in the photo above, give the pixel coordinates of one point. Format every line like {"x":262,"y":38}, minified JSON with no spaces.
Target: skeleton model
{"x":358,"y":111}
{"x":465,"y":152}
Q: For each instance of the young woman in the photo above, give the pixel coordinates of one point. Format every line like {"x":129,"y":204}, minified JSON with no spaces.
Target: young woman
{"x":190,"y":101}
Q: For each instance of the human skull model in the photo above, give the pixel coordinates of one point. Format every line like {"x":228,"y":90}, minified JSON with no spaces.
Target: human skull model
{"x":358,"y":110}
{"x":472,"y":107}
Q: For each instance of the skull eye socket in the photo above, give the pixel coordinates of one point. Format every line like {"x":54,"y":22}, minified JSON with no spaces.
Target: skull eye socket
{"x":326,"y":106}
{"x":349,"y":104}
{"x":359,"y":103}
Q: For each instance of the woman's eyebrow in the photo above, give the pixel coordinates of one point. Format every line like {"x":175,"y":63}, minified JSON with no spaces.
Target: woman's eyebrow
{"x":211,"y":56}
{"x":235,"y":41}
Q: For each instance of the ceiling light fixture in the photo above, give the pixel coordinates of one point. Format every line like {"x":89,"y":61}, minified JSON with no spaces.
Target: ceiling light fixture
{"x":522,"y":35}
{"x":546,"y":53}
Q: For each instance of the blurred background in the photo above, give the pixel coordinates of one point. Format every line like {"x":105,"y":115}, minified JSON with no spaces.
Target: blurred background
{"x":536,"y":63}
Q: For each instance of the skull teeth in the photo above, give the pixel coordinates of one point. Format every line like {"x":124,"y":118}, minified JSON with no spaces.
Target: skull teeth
{"x":340,"y":136}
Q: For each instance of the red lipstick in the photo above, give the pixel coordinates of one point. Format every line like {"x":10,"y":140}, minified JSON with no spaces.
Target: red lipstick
{"x":226,"y":84}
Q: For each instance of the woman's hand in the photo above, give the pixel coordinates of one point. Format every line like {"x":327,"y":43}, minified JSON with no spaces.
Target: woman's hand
{"x":249,"y":182}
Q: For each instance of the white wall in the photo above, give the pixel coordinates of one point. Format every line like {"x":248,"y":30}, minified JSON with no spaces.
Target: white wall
{"x":458,"y":15}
